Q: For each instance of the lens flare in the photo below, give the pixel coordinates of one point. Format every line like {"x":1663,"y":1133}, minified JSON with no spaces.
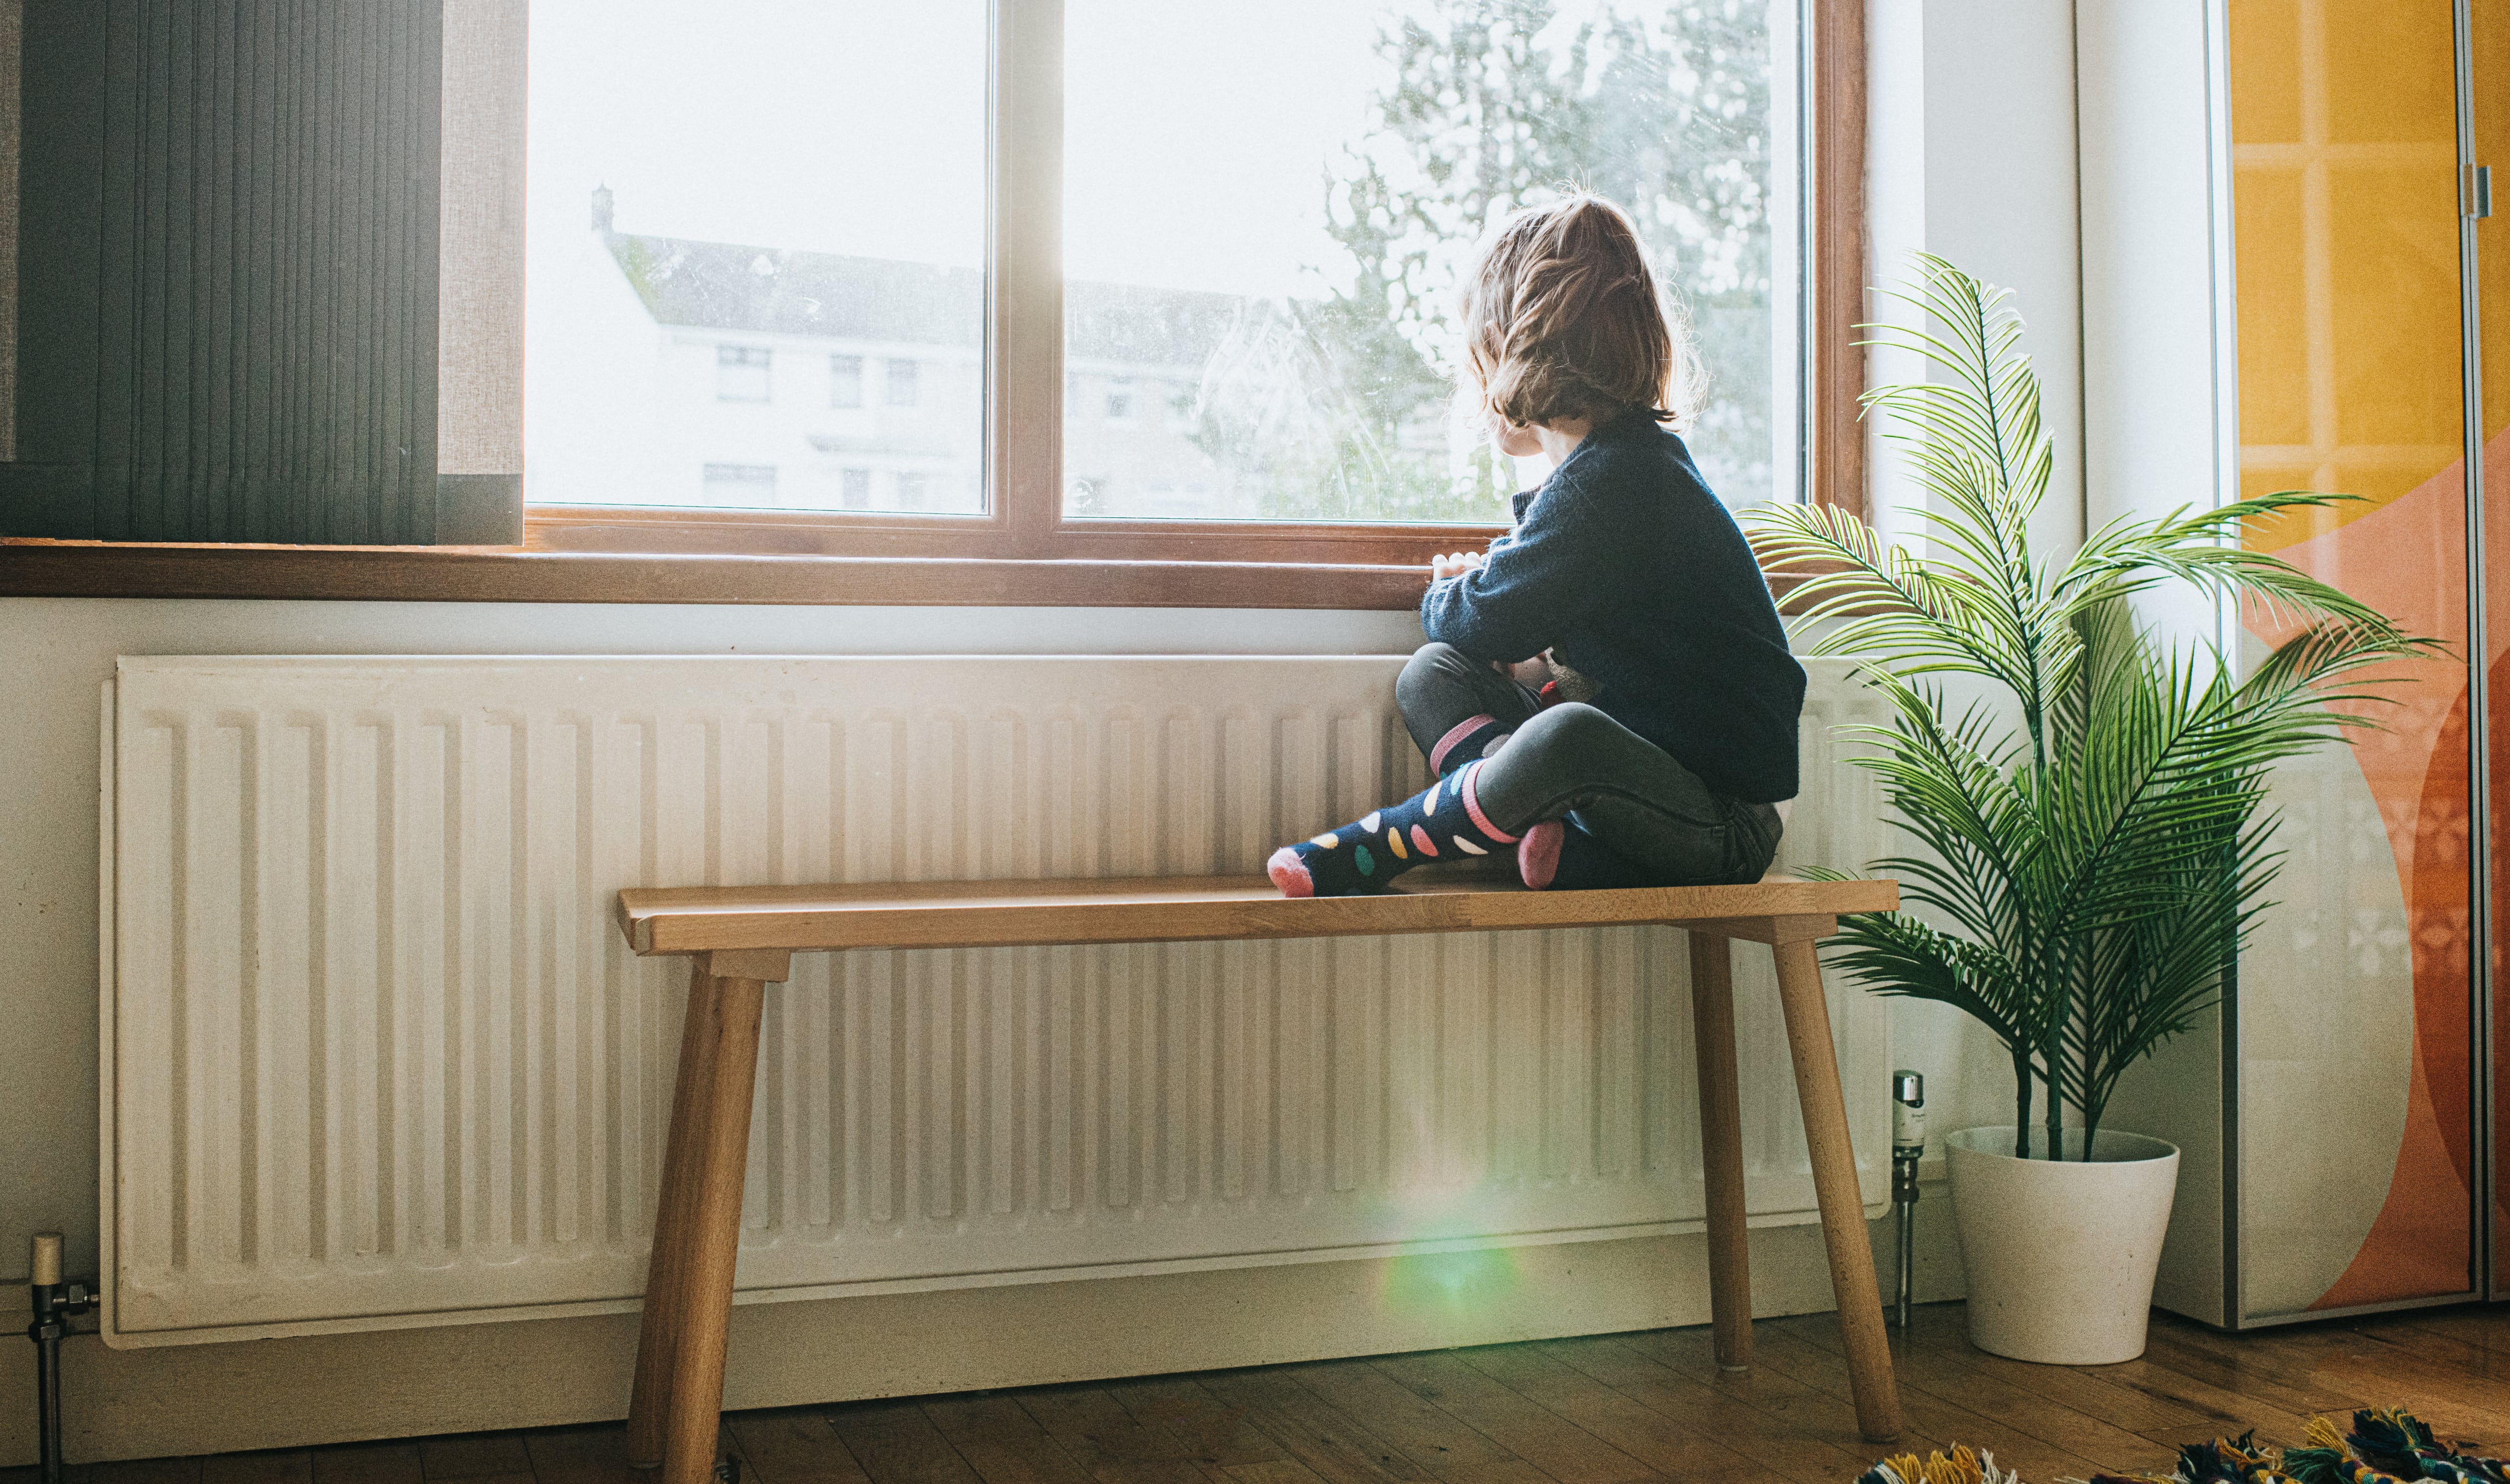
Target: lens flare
{"x":1449,"y":1284}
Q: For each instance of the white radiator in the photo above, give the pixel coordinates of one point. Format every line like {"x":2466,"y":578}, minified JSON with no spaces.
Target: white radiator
{"x":377,"y":1055}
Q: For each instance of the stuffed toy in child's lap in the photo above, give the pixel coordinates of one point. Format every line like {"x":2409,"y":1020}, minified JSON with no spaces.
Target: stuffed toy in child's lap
{"x":1607,"y":696}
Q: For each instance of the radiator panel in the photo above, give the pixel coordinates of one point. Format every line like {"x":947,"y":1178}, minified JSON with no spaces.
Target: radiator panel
{"x":379,"y":1056}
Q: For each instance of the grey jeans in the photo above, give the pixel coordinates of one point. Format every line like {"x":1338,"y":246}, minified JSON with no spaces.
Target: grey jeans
{"x":1571,"y":760}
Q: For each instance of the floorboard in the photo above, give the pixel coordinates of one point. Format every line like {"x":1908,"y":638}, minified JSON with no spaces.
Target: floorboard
{"x":1322,"y":1438}
{"x":1001,"y":1442}
{"x":1448,"y":1448}
{"x":1544,"y":1438}
{"x":1609,"y":1409}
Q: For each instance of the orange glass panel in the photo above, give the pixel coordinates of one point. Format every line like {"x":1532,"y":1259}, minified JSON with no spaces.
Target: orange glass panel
{"x":2265,"y":44}
{"x":2356,"y":1185}
{"x":2275,"y":342}
{"x":2386,"y":70}
{"x":2390,"y":233}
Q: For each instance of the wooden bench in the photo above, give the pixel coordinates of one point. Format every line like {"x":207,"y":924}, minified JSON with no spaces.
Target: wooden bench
{"x":740,"y":939}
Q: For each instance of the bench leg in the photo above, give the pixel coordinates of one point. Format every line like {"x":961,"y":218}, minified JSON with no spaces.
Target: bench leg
{"x":660,"y":1331}
{"x":1833,"y":1184}
{"x":1721,"y":1147}
{"x":675,"y":1414}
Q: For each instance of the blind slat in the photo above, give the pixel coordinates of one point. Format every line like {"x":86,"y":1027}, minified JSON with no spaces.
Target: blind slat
{"x":260,"y":286}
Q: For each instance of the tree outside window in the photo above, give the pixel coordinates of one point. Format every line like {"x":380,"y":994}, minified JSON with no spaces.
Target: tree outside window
{"x":1335,"y":399}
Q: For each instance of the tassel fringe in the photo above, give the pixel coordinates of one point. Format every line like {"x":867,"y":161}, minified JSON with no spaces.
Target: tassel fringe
{"x":1959,"y":1466}
{"x":2388,"y":1445}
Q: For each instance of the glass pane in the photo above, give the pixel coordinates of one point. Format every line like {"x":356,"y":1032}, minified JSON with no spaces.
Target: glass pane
{"x":2353,"y":998}
{"x":1268,"y":207}
{"x":2490,"y":44}
{"x":757,"y":236}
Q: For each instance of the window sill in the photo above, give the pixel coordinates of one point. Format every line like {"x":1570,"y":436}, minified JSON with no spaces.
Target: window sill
{"x":34,"y":568}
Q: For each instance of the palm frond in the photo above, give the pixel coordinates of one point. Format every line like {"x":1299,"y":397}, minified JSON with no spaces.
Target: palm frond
{"x":2090,"y":841}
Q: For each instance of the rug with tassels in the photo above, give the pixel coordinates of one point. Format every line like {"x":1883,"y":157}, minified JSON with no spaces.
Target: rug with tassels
{"x":2388,"y":1446}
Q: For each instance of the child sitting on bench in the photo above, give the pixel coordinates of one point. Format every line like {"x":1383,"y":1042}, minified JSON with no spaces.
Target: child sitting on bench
{"x":1668,"y":733}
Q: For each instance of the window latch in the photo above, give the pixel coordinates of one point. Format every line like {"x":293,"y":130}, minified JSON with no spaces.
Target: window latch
{"x":2479,"y":190}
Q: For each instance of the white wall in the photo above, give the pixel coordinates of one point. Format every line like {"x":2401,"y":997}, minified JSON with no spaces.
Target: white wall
{"x":2157,"y":344}
{"x":1971,"y":156}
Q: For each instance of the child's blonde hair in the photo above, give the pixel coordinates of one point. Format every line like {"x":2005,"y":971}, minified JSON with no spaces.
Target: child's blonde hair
{"x":1562,"y":320}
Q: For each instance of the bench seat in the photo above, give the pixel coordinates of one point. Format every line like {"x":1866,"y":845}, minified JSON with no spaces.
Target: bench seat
{"x":1155,"y":910}
{"x":740,"y":939}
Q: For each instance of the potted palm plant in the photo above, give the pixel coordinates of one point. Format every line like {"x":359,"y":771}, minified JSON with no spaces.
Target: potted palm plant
{"x":2085,"y":793}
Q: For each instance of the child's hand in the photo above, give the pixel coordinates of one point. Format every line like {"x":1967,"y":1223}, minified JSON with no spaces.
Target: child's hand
{"x":1455,"y":565}
{"x":1534,"y":672}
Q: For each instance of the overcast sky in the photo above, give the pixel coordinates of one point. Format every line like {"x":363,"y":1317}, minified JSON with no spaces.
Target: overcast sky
{"x":1196,"y":134}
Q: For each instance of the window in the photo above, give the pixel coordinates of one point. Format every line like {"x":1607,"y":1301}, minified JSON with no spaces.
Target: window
{"x":740,"y":373}
{"x":1275,"y":343}
{"x":740,"y":485}
{"x":844,"y":381}
{"x":1319,"y":197}
{"x":864,"y":228}
{"x":910,"y":490}
{"x":1250,"y":334}
{"x":901,"y":382}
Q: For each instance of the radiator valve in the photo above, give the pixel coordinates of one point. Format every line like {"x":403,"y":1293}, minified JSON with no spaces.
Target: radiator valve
{"x":55,"y":1302}
{"x":1908,"y":1146}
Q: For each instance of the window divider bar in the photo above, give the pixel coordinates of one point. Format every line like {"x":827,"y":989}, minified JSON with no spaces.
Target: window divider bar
{"x":1024,"y":274}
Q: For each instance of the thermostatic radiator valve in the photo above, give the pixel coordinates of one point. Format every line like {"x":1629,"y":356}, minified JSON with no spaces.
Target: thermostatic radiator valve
{"x":1908,"y":1146}
{"x":53,"y":1303}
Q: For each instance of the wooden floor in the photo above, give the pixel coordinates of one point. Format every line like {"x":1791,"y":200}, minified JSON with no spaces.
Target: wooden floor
{"x":1595,"y":1411}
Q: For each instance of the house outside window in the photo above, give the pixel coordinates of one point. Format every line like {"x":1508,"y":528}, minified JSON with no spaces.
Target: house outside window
{"x":910,"y":490}
{"x":1119,"y":402}
{"x":740,"y":485}
{"x":902,"y":381}
{"x":853,"y":489}
{"x":740,"y":373}
{"x":844,"y":381}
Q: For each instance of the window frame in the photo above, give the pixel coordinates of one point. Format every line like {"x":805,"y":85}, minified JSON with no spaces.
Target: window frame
{"x":1024,"y":549}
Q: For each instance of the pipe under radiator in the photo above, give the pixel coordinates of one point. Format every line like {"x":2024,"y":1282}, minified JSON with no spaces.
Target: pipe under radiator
{"x":55,"y":1302}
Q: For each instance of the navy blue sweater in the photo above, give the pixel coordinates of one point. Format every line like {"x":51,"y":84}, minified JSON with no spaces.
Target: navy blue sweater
{"x":1630,"y":570}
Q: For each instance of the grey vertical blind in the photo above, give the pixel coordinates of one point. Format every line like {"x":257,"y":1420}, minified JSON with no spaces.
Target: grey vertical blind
{"x":9,"y":16}
{"x":233,"y":331}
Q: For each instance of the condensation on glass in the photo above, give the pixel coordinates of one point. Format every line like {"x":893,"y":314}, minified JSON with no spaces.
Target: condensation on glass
{"x":1268,"y":211}
{"x":756,"y":256}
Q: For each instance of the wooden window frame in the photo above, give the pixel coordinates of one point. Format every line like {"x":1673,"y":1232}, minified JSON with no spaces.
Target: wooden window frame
{"x":1023,"y":551}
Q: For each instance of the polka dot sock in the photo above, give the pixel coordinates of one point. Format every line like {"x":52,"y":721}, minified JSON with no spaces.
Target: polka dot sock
{"x":1443,"y":821}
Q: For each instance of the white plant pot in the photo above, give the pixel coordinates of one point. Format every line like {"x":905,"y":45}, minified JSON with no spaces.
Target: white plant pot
{"x":2061,"y":1253}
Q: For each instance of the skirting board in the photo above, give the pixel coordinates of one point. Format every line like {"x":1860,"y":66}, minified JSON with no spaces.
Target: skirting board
{"x":277,"y":1394}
